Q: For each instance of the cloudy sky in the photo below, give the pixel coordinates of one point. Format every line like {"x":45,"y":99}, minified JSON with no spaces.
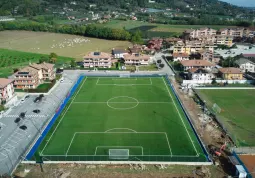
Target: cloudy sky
{"x":246,"y":3}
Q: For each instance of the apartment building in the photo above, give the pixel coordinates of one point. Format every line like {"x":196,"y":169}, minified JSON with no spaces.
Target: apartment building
{"x":224,"y":40}
{"x":236,"y":32}
{"x":210,"y":56}
{"x":189,"y":47}
{"x":200,"y":74}
{"x":136,"y":59}
{"x":27,"y":77}
{"x":6,"y":90}
{"x":33,"y":75}
{"x":202,"y":64}
{"x":199,"y":33}
{"x":97,"y":59}
{"x":180,"y":56}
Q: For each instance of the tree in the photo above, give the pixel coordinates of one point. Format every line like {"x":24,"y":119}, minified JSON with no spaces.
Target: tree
{"x":15,"y":70}
{"x":159,"y":61}
{"x":53,"y":57}
{"x":214,"y":81}
{"x":43,"y":59}
{"x":137,"y":37}
{"x":73,"y":63}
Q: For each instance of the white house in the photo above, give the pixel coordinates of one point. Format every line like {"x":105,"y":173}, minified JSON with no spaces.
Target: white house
{"x":200,"y":74}
{"x":246,"y":65}
{"x":6,"y":89}
{"x":180,"y":56}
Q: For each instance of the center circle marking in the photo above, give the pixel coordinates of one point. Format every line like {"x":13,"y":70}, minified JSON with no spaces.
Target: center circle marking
{"x":136,"y":102}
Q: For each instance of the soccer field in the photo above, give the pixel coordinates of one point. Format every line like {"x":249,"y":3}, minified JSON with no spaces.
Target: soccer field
{"x":122,"y":119}
{"x":237,"y":112}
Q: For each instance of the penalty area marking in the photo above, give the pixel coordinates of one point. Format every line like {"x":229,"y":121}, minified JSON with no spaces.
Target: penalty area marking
{"x":107,"y":132}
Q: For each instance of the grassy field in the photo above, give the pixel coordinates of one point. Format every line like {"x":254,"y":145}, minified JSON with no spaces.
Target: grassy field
{"x":11,"y":59}
{"x":62,"y":44}
{"x":152,"y":29}
{"x":138,"y":114}
{"x":237,"y":112}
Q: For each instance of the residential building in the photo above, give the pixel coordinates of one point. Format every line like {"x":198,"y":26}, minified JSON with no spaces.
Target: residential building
{"x":180,"y":56}
{"x":246,"y":65}
{"x":203,"y":64}
{"x":33,"y":75}
{"x":198,"y":33}
{"x":6,"y":90}
{"x":249,"y":56}
{"x":155,"y":43}
{"x":97,"y":59}
{"x":224,"y":40}
{"x":27,"y":77}
{"x":210,"y":56}
{"x":136,"y":59}
{"x":119,"y":53}
{"x":235,"y":32}
{"x":47,"y":70}
{"x":200,"y":74}
{"x":136,"y":49}
{"x":231,"y":73}
{"x":6,"y":19}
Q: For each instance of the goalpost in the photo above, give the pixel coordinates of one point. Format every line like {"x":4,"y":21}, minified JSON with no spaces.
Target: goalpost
{"x":216,"y":108}
{"x":118,"y":153}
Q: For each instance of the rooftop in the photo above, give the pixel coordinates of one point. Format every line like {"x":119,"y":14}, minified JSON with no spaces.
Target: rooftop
{"x":4,"y":82}
{"x":96,"y":55}
{"x":230,"y":70}
{"x":197,"y":63}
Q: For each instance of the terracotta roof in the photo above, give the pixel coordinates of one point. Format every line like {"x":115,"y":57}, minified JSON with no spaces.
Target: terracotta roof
{"x":43,"y":65}
{"x":136,"y":57}
{"x":29,"y":70}
{"x":4,"y":82}
{"x":96,"y":55}
{"x":196,"y":63}
{"x":230,"y":70}
{"x":180,"y":55}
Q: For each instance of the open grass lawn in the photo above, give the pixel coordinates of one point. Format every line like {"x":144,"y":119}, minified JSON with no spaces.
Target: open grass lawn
{"x":11,"y":59}
{"x":139,"y":117}
{"x":238,"y":112}
{"x":62,"y":44}
{"x":153,"y":29}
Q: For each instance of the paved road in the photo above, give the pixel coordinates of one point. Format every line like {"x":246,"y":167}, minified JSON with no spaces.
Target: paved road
{"x":14,"y":141}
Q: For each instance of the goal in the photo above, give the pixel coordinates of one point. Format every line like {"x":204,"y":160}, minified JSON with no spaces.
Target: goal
{"x":124,"y":75}
{"x":216,"y":108}
{"x":118,"y":153}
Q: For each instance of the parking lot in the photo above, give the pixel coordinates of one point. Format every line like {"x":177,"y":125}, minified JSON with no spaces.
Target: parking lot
{"x":22,"y":123}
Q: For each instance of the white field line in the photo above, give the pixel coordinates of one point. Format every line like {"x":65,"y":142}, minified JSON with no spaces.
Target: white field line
{"x":180,"y":116}
{"x":70,"y":143}
{"x":121,"y":129}
{"x":118,"y":147}
{"x":168,"y":144}
{"x":64,"y":115}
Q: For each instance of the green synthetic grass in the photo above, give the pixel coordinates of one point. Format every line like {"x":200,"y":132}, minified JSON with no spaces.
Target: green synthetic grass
{"x":238,"y":112}
{"x":138,"y":114}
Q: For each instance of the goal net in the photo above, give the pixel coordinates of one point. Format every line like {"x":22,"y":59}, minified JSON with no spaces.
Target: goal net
{"x":216,"y":108}
{"x":124,"y":75}
{"x":118,"y":153}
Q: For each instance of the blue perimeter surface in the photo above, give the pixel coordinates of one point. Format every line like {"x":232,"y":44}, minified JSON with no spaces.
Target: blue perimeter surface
{"x":49,"y":126}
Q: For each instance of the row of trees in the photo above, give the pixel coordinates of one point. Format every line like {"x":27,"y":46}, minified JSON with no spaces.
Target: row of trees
{"x":83,"y":30}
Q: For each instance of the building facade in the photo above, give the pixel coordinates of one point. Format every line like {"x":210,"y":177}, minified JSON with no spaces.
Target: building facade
{"x":136,"y":59}
{"x":200,"y":74}
{"x":231,"y":73}
{"x":246,"y":65}
{"x":198,"y":64}
{"x":97,"y":59}
{"x":6,"y":90}
{"x":180,"y":57}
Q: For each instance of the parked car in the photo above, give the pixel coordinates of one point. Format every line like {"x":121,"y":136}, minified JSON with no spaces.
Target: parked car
{"x":17,"y":120}
{"x":23,"y":127}
{"x":36,"y":111}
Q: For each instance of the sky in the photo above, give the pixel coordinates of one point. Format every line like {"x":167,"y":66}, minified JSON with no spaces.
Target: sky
{"x":245,"y":3}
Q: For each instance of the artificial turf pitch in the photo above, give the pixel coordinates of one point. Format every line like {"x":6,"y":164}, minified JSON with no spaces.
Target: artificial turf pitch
{"x":237,"y":112}
{"x":140,"y":115}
